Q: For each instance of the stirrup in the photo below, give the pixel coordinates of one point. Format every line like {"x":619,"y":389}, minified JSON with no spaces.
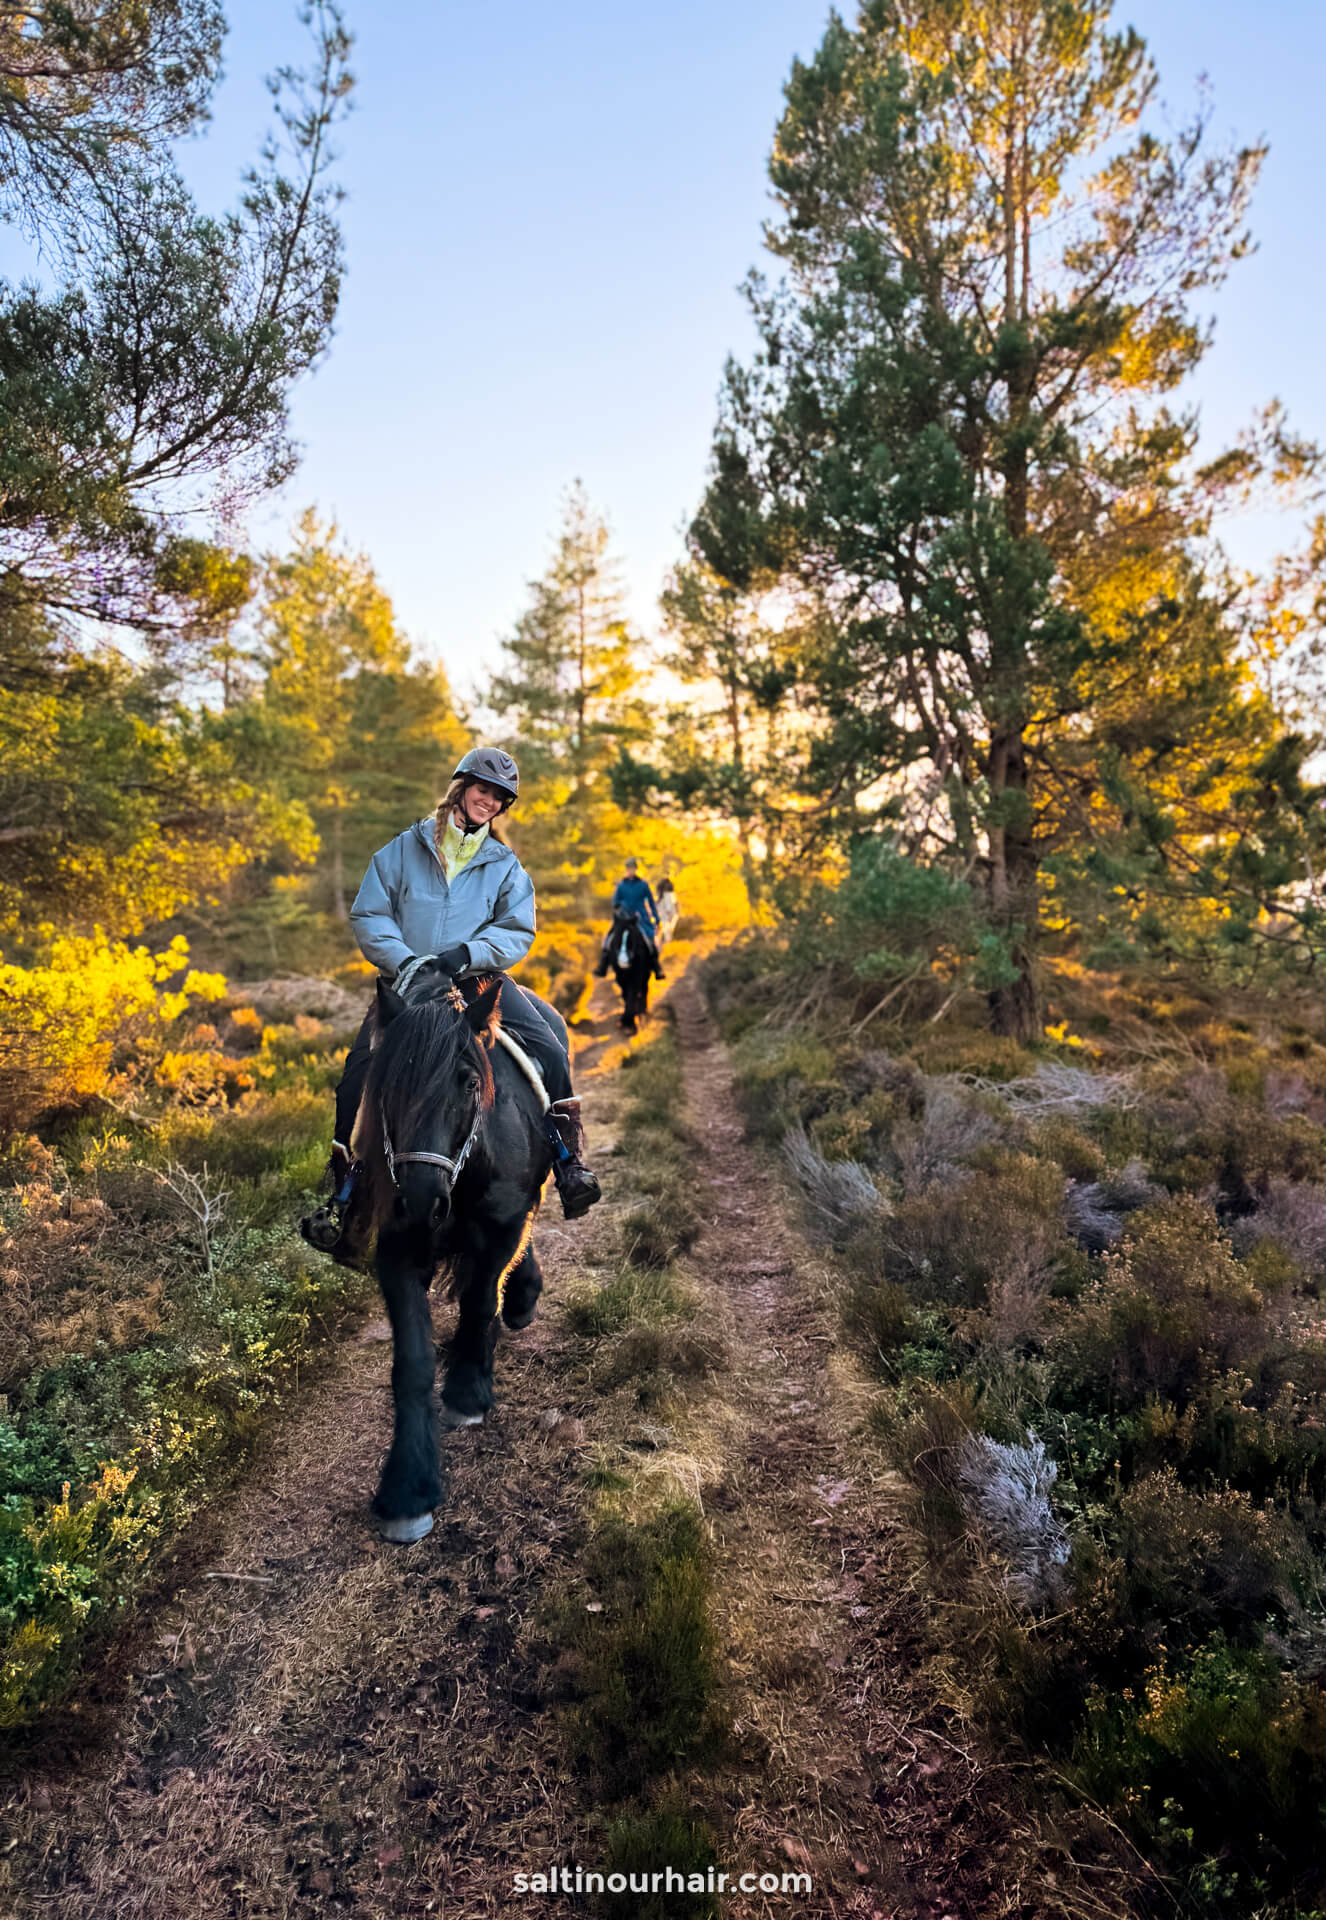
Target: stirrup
{"x":329,"y":1227}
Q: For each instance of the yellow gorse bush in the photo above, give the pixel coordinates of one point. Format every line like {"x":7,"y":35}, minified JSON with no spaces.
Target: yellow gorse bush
{"x":61,"y":1021}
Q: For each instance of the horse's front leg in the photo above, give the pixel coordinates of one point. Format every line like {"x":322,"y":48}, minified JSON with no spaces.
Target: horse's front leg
{"x":411,"y":1483}
{"x":467,"y":1392}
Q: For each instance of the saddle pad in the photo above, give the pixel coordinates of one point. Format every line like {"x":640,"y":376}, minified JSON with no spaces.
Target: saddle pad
{"x":526,"y":1065}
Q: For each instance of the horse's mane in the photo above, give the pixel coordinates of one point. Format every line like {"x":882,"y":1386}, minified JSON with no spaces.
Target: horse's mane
{"x":414,"y":1056}
{"x":628,"y":920}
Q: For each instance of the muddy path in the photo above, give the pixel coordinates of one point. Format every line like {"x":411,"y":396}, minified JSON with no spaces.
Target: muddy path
{"x":314,"y":1722}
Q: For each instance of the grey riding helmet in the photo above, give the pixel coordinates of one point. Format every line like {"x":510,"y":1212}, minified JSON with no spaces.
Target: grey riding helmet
{"x":492,"y":765}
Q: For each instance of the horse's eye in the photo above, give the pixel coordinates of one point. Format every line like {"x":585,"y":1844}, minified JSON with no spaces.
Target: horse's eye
{"x":474,"y":1083}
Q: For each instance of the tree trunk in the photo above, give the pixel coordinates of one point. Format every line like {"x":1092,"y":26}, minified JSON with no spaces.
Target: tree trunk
{"x":1015,"y":1010}
{"x":339,"y":906}
{"x":750,"y":873}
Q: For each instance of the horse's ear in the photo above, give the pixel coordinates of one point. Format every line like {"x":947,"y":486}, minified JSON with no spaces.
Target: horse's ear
{"x":483,"y":1010}
{"x":389,"y":1003}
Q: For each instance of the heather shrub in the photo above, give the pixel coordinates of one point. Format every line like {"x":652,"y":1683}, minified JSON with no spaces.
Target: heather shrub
{"x":955,"y":1049}
{"x":1200,"y":1133}
{"x":1210,"y":1560}
{"x":985,"y":1240}
{"x":1095,"y":1210}
{"x":1172,"y":1309}
{"x":1292,"y":1216}
{"x":954,"y":1127}
{"x":784,"y":1079}
{"x":874,"y":1071}
{"x":863,"y":1131}
{"x":1060,"y":1138}
{"x":1218,"y":1760}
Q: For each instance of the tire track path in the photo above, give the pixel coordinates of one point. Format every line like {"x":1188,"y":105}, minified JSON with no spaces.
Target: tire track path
{"x":856,"y":1773}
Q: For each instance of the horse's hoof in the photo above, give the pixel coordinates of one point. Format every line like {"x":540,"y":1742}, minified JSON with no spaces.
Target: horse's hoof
{"x":453,"y":1417}
{"x":404,"y":1530}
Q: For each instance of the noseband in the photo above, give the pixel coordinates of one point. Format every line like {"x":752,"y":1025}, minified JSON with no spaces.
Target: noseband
{"x":451,"y":1168}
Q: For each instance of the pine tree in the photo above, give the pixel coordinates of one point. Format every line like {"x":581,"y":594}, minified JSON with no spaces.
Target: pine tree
{"x":567,"y":694}
{"x":152,"y":379}
{"x":955,"y":436}
{"x":364,"y":737}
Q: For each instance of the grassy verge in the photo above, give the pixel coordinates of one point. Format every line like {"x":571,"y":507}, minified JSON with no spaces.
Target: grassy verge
{"x":1088,"y":1277}
{"x":156,"y":1309}
{"x":632,"y":1657}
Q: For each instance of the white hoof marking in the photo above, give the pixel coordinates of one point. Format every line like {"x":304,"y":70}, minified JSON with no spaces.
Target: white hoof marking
{"x":450,"y":1418}
{"x":405,"y":1530}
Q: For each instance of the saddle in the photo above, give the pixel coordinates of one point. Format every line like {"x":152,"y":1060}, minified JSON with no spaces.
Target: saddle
{"x":527,"y":1066}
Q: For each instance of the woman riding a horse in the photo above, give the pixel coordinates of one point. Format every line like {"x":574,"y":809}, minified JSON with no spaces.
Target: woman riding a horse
{"x":448,"y":897}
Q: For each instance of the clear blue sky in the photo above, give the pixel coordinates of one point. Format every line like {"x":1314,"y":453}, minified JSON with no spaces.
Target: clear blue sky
{"x":550,"y":209}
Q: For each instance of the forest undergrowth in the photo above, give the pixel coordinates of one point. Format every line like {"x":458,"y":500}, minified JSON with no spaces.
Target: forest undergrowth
{"x":156,"y":1310}
{"x":1088,"y":1278}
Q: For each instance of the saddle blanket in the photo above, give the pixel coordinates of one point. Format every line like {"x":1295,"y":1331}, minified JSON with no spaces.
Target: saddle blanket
{"x":527,"y":1066}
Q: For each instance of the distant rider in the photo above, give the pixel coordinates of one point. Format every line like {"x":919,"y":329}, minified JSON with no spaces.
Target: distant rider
{"x":633,"y":895}
{"x":448,"y":890}
{"x":669,"y":910}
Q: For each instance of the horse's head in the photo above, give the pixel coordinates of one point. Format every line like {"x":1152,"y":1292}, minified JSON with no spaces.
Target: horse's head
{"x":430,"y":1083}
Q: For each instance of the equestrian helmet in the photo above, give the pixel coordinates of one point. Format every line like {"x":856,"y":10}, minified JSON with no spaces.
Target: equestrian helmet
{"x":492,"y":765}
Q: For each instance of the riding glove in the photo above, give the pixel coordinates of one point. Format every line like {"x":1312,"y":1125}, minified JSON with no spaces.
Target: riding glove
{"x":405,"y":974}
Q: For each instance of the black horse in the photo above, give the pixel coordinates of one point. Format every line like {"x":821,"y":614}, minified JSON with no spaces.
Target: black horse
{"x":632,"y":960}
{"x":455,"y":1153}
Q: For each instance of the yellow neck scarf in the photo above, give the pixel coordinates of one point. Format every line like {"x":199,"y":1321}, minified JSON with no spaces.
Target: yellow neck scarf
{"x":457,"y":847}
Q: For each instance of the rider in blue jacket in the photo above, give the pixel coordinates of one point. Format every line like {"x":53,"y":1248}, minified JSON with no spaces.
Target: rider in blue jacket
{"x":634,"y":895}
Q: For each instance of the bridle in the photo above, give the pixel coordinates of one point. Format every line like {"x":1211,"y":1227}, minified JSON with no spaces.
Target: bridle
{"x":451,"y":1168}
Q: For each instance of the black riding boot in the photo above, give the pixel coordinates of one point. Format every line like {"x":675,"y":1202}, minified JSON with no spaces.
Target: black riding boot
{"x":341,"y":1226}
{"x":575,"y":1183}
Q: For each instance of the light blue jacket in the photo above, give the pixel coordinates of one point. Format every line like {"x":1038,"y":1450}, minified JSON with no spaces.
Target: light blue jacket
{"x":406,"y":905}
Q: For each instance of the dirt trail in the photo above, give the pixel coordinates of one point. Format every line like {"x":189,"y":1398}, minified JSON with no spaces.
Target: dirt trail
{"x":342,"y":1726}
{"x":355,"y":1728}
{"x":857,"y":1773}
